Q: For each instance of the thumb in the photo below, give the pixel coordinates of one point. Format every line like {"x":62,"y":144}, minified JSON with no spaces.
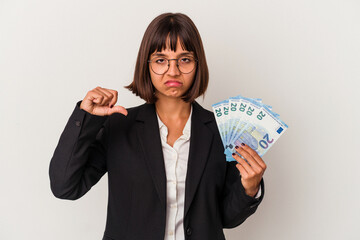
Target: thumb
{"x":118,"y":109}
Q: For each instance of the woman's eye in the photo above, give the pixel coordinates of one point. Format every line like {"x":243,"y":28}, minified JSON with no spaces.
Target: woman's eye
{"x":159,"y":60}
{"x":185,"y":60}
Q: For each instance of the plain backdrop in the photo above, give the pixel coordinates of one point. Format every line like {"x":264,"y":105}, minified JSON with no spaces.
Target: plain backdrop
{"x":301,"y":57}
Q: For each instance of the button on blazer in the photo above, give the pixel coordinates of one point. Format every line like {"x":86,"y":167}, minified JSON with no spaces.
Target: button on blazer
{"x":128,"y":148}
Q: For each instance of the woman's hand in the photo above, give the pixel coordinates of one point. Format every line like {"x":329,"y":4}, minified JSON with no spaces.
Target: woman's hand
{"x":101,"y":101}
{"x":251,"y":170}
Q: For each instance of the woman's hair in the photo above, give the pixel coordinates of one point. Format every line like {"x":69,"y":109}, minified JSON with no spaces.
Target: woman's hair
{"x":173,"y":26}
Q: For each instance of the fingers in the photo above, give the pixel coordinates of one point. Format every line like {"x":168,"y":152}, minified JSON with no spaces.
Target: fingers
{"x":118,"y":109}
{"x":100,"y":101}
{"x":250,"y":164}
{"x":242,"y":170}
{"x":248,"y":168}
{"x":115,"y":97}
{"x":253,"y":154}
{"x":105,"y":96}
{"x":253,"y":163}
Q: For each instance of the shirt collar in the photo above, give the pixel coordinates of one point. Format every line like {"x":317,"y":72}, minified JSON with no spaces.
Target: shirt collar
{"x":186,"y":130}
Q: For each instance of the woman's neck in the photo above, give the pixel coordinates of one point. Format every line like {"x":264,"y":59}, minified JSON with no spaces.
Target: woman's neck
{"x":172,"y":109}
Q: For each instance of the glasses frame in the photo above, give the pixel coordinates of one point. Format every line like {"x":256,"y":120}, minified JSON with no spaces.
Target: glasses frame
{"x":177,"y":65}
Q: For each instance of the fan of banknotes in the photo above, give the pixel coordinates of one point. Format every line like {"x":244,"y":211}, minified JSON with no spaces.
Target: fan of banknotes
{"x":249,"y":121}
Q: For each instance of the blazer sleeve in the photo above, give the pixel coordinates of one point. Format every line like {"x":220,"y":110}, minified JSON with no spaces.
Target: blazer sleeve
{"x":79,"y":160}
{"x":237,"y":206}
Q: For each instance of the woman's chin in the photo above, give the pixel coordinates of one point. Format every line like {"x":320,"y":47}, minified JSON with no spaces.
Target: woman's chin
{"x":171,"y":94}
{"x":174,"y":93}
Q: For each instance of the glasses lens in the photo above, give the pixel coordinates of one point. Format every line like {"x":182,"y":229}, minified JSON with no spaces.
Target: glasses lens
{"x":186,"y":64}
{"x":159,"y":65}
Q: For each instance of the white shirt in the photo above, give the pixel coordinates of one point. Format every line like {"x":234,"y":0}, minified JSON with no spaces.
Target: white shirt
{"x":176,"y":161}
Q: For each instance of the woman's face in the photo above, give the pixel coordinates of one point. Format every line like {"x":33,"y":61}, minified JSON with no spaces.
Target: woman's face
{"x":173,"y":83}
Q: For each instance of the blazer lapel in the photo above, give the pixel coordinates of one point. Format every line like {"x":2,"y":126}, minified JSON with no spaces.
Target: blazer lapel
{"x":200,"y":143}
{"x":149,"y":138}
{"x":150,"y":142}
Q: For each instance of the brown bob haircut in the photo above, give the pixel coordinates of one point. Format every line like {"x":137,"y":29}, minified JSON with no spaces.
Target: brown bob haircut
{"x":169,"y":27}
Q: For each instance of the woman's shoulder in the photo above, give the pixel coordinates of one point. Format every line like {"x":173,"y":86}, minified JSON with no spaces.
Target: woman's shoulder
{"x":203,"y":113}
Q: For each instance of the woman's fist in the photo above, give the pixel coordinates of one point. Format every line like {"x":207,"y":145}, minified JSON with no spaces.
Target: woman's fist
{"x":100,"y":101}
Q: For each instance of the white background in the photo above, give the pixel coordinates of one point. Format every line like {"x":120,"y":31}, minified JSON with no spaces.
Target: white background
{"x":301,"y":57}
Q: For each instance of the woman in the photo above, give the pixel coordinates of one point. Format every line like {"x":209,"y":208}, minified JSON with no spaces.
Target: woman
{"x":167,"y":174}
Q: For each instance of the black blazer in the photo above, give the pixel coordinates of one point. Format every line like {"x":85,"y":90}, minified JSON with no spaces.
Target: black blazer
{"x":129,"y":149}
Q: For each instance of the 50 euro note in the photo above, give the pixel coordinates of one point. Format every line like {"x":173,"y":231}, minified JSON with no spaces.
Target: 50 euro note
{"x":262,"y":130}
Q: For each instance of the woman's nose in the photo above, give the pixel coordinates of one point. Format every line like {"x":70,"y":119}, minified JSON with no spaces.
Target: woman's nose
{"x":173,"y":68}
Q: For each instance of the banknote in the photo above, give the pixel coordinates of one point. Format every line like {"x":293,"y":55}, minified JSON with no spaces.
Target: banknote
{"x":249,"y":121}
{"x":260,"y":133}
{"x":218,"y":109}
{"x":246,"y":109}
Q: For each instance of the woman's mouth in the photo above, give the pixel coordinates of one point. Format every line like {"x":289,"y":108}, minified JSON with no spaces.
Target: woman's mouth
{"x":173,"y":83}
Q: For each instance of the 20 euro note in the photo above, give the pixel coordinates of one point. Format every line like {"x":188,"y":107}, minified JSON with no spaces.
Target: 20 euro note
{"x":242,"y":112}
{"x":221,"y":111}
{"x":235,"y":122}
{"x":221,"y":118}
{"x":260,"y":132}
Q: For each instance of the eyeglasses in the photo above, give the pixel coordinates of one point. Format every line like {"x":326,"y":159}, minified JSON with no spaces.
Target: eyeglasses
{"x":160,"y":65}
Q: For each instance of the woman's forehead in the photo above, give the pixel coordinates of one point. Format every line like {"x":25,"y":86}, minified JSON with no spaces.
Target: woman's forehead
{"x":171,"y":43}
{"x":172,"y":53}
{"x":180,"y":50}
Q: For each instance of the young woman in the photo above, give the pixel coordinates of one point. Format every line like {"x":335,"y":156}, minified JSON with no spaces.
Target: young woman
{"x":167,"y":174}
